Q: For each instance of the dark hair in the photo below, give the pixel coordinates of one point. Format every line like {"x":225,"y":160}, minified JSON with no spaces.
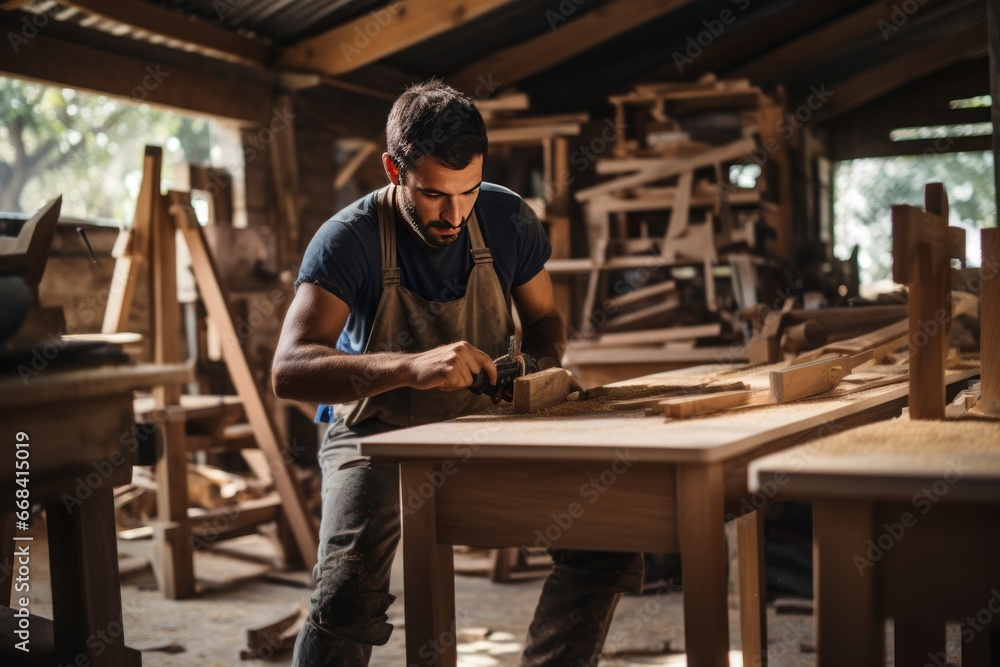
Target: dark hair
{"x":434,"y":119}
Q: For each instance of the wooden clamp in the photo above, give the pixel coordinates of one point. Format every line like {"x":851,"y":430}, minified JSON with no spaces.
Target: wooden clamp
{"x":922,"y":246}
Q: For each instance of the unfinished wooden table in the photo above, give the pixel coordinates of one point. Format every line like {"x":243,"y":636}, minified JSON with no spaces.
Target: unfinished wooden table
{"x":905,"y":528}
{"x":611,"y":481}
{"x":79,"y":439}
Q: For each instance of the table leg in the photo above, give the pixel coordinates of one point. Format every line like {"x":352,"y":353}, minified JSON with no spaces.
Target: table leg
{"x":849,"y":630}
{"x":428,"y":576}
{"x":86,"y":593}
{"x":753,"y":589}
{"x":975,"y":653}
{"x":6,"y":556}
{"x":701,"y":527}
{"x":919,"y":642}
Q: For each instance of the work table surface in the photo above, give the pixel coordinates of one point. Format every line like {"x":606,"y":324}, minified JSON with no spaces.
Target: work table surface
{"x":501,"y":434}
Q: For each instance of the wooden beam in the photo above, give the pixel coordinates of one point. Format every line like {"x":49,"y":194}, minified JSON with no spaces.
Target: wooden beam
{"x":520,"y":61}
{"x":207,"y":38}
{"x":816,"y":45}
{"x":752,"y":35}
{"x":381,"y":33}
{"x":180,"y":81}
{"x":741,"y":148}
{"x":851,"y":93}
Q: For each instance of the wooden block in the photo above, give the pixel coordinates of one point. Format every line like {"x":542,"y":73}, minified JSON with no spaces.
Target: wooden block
{"x":692,"y":406}
{"x":541,"y":390}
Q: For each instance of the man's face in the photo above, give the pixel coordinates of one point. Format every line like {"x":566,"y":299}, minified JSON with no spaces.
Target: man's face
{"x":435,"y":201}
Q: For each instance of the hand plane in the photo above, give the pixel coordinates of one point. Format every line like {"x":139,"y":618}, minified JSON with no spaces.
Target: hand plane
{"x":510,"y":366}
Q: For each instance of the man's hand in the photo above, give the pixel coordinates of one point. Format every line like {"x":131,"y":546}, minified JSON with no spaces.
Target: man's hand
{"x":449,"y":367}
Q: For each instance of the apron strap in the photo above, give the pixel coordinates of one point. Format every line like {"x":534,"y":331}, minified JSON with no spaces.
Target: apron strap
{"x":387,"y":235}
{"x":480,"y":253}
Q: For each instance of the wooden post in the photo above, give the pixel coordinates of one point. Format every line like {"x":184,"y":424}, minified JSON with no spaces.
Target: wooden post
{"x":753,"y":588}
{"x":993,"y":37}
{"x":134,"y":246}
{"x":920,"y":253}
{"x":989,"y":322}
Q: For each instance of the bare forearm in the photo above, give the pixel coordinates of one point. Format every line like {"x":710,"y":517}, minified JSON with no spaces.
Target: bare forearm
{"x":316,"y":373}
{"x":546,"y":338}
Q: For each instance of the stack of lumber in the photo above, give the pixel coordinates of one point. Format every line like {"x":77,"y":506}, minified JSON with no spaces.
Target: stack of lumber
{"x":671,"y":212}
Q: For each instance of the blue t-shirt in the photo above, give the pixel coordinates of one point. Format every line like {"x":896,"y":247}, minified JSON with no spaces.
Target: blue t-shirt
{"x":345,"y":257}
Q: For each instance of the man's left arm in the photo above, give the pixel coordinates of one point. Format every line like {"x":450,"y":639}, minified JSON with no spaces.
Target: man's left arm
{"x":543,"y":331}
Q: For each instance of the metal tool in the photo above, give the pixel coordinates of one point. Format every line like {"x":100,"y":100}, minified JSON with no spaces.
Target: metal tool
{"x":510,"y":366}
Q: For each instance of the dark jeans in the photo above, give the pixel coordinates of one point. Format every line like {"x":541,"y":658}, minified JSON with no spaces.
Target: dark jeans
{"x":357,"y":542}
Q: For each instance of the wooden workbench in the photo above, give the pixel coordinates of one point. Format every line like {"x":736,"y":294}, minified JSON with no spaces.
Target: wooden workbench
{"x":623,"y":481}
{"x":905,"y":528}
{"x":79,"y":428}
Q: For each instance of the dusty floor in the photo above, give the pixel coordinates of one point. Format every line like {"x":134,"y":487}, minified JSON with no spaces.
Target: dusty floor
{"x":237,"y":594}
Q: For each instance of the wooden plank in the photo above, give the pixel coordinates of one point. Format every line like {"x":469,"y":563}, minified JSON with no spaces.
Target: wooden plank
{"x":817,"y":377}
{"x":555,"y":46}
{"x":654,"y":336}
{"x":887,"y":77}
{"x":920,"y":260}
{"x":693,"y":406}
{"x":429,"y":574}
{"x":642,"y":293}
{"x":989,"y":322}
{"x":543,"y":389}
{"x":741,"y":148}
{"x":177,"y":26}
{"x":682,"y":205}
{"x":215,"y":300}
{"x":703,"y":558}
{"x":352,"y":45}
{"x":670,"y":303}
{"x":510,"y":135}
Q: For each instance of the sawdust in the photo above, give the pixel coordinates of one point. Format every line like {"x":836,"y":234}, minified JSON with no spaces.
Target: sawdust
{"x":917,"y":438}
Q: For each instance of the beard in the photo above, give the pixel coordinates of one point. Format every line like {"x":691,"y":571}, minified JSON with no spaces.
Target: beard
{"x":408,"y":211}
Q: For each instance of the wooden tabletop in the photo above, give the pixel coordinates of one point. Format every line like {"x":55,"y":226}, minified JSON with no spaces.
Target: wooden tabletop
{"x":599,"y":436}
{"x":957,"y":460}
{"x":56,"y":384}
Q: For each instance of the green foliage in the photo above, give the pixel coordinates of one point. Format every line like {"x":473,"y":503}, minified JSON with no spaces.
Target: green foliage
{"x":87,"y":147}
{"x":864,"y":191}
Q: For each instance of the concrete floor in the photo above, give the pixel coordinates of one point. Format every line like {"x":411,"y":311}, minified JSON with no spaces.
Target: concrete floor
{"x":210,"y":630}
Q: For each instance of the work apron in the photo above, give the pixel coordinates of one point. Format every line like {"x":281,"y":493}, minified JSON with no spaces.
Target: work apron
{"x":404,"y":322}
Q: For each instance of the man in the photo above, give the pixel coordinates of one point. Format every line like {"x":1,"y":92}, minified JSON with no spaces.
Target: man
{"x":402,"y":299}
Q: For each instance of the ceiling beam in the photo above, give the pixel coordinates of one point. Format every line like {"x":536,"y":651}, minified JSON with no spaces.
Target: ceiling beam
{"x":205,"y":37}
{"x":382,"y":33}
{"x":154,"y":75}
{"x":518,"y":62}
{"x":816,"y":45}
{"x":751,"y":34}
{"x":851,"y":93}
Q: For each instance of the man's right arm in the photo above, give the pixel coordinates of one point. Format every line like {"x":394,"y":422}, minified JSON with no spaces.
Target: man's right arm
{"x":307,"y":366}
